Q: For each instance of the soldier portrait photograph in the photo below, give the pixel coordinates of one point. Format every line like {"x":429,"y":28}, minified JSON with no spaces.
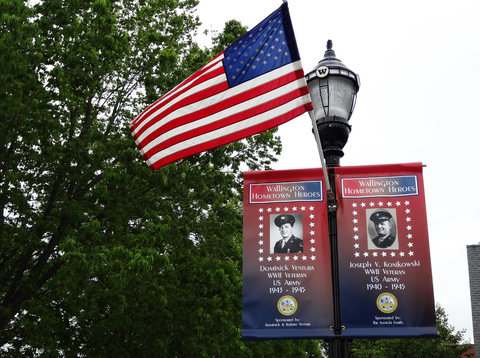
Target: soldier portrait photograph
{"x":382,"y":229}
{"x":286,"y":241}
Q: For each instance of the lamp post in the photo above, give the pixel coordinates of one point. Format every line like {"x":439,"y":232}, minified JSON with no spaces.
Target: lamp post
{"x":333,"y":88}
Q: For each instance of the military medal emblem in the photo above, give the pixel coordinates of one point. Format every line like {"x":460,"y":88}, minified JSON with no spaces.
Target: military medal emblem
{"x":287,"y":305}
{"x":387,"y":303}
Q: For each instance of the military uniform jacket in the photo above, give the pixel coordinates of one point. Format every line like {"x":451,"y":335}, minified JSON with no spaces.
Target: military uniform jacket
{"x":293,"y":245}
{"x":387,"y":242}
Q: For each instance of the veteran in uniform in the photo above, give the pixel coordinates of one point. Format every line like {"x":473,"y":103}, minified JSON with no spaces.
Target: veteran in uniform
{"x":289,"y":243}
{"x":383,"y":227}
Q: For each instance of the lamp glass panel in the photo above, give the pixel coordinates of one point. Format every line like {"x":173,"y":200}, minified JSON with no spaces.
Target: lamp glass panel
{"x":341,"y":96}
{"x":324,"y":90}
{"x":314,"y":88}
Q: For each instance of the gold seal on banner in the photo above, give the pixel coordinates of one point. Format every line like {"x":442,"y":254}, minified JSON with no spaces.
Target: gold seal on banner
{"x":387,"y":303}
{"x":287,"y":305}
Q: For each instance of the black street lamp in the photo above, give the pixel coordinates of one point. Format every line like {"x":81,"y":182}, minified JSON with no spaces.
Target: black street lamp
{"x":333,"y":89}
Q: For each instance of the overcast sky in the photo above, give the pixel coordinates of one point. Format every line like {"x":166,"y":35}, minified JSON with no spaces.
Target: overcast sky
{"x":419,"y":102}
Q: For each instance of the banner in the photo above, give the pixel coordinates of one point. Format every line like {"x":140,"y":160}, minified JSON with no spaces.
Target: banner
{"x":386,"y":285}
{"x":287,"y":284}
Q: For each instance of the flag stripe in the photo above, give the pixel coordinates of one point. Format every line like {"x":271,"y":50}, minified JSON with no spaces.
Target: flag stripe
{"x":230,"y":134}
{"x":180,"y":106}
{"x":205,"y":103}
{"x":184,"y":96}
{"x":232,"y":115}
{"x":218,"y":107}
{"x":229,"y":114}
{"x":208,"y":67}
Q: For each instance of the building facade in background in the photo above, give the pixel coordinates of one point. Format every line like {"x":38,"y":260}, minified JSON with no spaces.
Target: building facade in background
{"x":473,"y":253}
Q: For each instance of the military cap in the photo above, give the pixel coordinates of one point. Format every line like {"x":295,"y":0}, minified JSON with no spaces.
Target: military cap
{"x":283,"y":219}
{"x":381,"y":215}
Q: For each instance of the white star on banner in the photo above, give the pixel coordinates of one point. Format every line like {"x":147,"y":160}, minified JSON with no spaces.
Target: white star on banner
{"x":356,"y":237}
{"x":303,"y":208}
{"x":287,"y":258}
{"x":356,"y":246}
{"x":269,"y":210}
{"x":260,"y":251}
{"x":278,"y":258}
{"x":407,"y":203}
{"x":372,"y":204}
{"x":411,"y":253}
{"x":402,"y":254}
{"x":269,"y":258}
{"x":312,"y":224}
{"x":398,"y":203}
{"x":260,"y":242}
{"x":260,"y":259}
{"x":410,"y":244}
{"x":285,"y":208}
{"x":355,"y":221}
{"x":304,"y":257}
{"x":375,"y":254}
{"x":312,"y":249}
{"x":354,"y":205}
{"x":389,"y":203}
{"x":409,"y":227}
{"x":295,"y":257}
{"x":365,"y":254}
{"x":260,"y":226}
{"x":311,"y":208}
{"x":260,"y":234}
{"x":354,"y":213}
{"x":357,"y":254}
{"x":380,"y":203}
{"x":407,"y":211}
{"x":313,"y":258}
{"x":312,"y":232}
{"x":409,"y":236}
{"x":355,"y":228}
{"x":363,"y":205}
{"x":260,"y":218}
{"x":312,"y":241}
{"x":312,"y":216}
{"x":384,"y":254}
{"x":408,"y":219}
{"x":277,"y":209}
{"x":294,"y":208}
{"x":260,"y":210}
{"x":392,"y":254}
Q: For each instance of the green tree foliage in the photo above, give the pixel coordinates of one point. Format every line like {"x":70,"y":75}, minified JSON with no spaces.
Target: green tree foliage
{"x":449,"y":344}
{"x":100,"y":257}
{"x":232,"y":32}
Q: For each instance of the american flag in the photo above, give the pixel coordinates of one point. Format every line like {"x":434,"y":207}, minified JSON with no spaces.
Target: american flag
{"x":256,"y":84}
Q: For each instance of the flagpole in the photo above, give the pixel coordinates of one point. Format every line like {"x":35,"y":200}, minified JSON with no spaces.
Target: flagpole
{"x":331,"y":202}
